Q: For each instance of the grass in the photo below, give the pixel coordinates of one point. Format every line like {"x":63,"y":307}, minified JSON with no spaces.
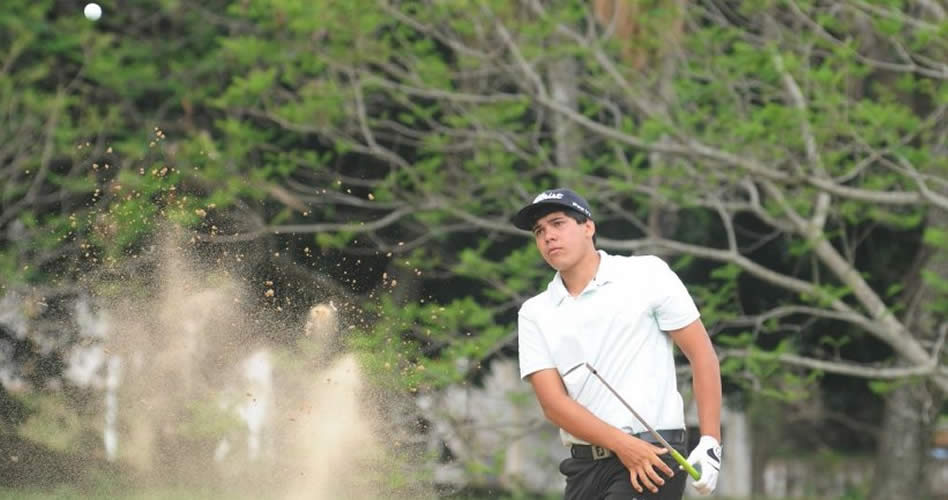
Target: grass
{"x":172,"y":493}
{"x":71,"y":492}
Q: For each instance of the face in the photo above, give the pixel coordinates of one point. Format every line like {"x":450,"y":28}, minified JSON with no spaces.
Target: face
{"x":562,"y":241}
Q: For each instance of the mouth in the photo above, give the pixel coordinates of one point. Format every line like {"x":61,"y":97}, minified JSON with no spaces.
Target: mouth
{"x":553,"y":251}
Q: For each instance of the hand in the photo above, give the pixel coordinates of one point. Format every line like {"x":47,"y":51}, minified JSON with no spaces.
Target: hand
{"x":642,"y":458}
{"x":707,"y":455}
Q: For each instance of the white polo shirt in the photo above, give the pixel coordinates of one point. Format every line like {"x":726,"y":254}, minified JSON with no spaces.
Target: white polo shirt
{"x":617,"y":325}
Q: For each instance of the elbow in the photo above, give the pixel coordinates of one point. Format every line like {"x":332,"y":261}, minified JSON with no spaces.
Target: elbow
{"x":705,"y":358}
{"x":706,"y":367}
{"x":551,"y":411}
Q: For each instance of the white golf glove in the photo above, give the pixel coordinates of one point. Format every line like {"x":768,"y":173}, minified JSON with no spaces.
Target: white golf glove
{"x":708,"y":455}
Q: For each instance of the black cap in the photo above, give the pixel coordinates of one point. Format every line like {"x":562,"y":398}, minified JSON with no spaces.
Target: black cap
{"x":562,"y":197}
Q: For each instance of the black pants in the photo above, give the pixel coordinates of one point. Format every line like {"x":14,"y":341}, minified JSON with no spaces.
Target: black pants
{"x":608,"y":479}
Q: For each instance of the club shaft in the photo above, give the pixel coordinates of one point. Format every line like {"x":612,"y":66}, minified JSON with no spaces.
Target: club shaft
{"x":674,"y":453}
{"x":649,"y":428}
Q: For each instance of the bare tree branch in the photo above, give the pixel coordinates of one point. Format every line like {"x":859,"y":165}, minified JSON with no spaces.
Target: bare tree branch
{"x":837,"y":367}
{"x":525,"y":66}
{"x":940,"y":72}
{"x":932,"y":368}
{"x":822,"y":205}
{"x":359,"y":227}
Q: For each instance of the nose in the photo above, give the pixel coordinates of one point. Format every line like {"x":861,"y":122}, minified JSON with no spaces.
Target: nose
{"x":549,"y":235}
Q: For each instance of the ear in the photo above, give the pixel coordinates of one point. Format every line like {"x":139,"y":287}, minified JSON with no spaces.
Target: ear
{"x":590,"y":228}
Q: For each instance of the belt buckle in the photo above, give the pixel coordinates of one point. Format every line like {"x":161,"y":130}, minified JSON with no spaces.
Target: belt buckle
{"x":598,"y":452}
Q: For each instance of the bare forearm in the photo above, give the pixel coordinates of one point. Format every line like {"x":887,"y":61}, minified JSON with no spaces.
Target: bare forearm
{"x":707,"y":388}
{"x":694,"y":342}
{"x":580,"y":422}
{"x":639,"y":457}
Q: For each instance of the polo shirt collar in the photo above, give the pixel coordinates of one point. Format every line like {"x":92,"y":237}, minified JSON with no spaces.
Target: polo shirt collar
{"x":604,"y":274}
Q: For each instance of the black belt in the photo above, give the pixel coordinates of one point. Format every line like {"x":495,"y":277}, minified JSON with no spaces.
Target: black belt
{"x":593,"y":452}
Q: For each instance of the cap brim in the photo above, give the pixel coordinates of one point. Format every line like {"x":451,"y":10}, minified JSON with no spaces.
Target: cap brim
{"x":526,"y":217}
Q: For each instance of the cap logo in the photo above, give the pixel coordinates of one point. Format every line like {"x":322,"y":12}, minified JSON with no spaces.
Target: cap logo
{"x":581,"y":208}
{"x":548,"y":196}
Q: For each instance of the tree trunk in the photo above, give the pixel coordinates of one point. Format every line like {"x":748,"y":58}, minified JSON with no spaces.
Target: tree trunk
{"x":566,"y":136}
{"x":911,"y":410}
{"x":904,"y":442}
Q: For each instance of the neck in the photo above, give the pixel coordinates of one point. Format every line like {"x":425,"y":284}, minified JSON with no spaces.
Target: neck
{"x":577,"y":277}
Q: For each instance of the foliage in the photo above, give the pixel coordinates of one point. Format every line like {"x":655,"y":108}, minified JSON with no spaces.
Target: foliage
{"x":789,"y":157}
{"x":413,"y":128}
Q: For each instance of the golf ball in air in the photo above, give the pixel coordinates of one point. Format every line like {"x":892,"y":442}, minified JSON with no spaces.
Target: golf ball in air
{"x":92,"y":11}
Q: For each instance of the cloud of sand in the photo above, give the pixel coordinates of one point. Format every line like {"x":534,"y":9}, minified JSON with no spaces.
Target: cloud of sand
{"x":203,"y":395}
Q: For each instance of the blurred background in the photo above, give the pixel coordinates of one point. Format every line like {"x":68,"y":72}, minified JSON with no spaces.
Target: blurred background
{"x":262,"y":249}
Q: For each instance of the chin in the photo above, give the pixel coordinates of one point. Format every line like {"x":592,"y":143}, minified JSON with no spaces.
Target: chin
{"x":556,"y":263}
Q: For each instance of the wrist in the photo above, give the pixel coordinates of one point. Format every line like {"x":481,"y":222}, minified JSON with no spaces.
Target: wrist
{"x":707,"y":438}
{"x":617,"y":438}
{"x":710,"y":430}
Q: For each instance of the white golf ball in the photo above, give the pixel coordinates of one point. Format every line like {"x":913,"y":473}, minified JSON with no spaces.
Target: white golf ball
{"x":92,"y":11}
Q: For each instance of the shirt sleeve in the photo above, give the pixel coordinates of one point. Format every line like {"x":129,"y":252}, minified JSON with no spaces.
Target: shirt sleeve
{"x":533,"y":350}
{"x":673,"y":306}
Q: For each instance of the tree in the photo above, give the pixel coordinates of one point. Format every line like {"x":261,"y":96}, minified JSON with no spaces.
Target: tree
{"x":793,"y":150}
{"x":796,"y":138}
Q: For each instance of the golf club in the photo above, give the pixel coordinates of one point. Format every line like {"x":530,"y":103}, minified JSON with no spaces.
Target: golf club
{"x":692,"y":471}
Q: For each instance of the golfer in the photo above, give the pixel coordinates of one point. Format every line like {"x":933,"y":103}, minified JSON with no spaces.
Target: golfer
{"x":621,"y":315}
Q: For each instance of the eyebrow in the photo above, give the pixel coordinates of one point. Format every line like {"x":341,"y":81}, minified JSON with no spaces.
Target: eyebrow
{"x":551,"y":219}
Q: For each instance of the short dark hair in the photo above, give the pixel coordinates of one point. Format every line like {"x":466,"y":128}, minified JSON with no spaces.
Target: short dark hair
{"x":580,"y":219}
{"x":576,"y":216}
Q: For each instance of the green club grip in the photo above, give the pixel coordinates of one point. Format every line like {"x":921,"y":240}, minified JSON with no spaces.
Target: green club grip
{"x":692,"y":471}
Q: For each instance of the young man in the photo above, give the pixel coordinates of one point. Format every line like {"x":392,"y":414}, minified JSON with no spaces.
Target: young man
{"x":621,"y":315}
